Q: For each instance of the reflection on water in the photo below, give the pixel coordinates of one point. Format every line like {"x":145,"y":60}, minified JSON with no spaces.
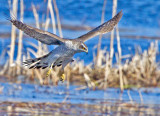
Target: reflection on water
{"x":50,"y":99}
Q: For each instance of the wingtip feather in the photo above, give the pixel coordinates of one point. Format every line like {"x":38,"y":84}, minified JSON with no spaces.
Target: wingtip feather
{"x":118,"y":16}
{"x":9,"y":16}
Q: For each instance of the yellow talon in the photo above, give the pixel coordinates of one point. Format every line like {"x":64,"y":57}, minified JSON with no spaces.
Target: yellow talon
{"x":48,"y":73}
{"x":62,"y":77}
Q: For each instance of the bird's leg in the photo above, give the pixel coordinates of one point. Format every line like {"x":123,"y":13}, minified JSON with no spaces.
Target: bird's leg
{"x":62,"y":78}
{"x":49,"y":71}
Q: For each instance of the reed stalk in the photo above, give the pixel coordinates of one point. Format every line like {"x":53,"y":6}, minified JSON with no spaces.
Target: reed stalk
{"x":52,"y":16}
{"x":107,"y":71}
{"x":119,"y":60}
{"x":58,"y":19}
{"x":46,"y":24}
{"x":112,"y":32}
{"x":45,"y":48}
{"x":20,"y":44}
{"x":13,"y":32}
{"x":109,"y":61}
{"x":36,"y":16}
{"x":98,"y":59}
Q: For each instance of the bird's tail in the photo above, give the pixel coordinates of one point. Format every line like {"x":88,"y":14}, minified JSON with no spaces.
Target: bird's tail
{"x":36,"y":63}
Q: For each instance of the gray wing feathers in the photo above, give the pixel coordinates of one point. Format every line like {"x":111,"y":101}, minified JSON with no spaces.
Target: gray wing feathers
{"x":104,"y":28}
{"x":40,"y":35}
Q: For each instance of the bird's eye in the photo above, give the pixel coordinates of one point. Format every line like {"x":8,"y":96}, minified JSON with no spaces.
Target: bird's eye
{"x":82,"y":47}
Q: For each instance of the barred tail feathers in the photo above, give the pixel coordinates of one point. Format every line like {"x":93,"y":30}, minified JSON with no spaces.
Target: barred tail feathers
{"x":36,"y":63}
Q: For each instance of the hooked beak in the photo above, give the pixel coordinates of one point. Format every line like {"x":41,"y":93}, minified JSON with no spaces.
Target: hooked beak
{"x":86,"y":51}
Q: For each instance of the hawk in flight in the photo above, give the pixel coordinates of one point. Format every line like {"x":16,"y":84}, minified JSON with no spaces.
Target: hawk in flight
{"x":61,"y":55}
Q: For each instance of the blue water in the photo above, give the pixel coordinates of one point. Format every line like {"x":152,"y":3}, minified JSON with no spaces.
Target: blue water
{"x":136,"y":13}
{"x":140,"y":19}
{"x":57,"y":94}
{"x":21,"y":99}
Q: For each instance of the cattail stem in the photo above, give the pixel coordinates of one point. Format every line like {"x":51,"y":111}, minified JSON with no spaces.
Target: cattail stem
{"x":119,"y":60}
{"x":20,"y":39}
{"x":58,"y":19}
{"x":98,"y":59}
{"x":52,"y":16}
{"x":112,"y":32}
{"x":13,"y":33}
{"x":38,"y":26}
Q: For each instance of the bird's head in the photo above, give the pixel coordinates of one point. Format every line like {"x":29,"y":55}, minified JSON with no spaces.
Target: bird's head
{"x":82,"y":47}
{"x":77,"y":46}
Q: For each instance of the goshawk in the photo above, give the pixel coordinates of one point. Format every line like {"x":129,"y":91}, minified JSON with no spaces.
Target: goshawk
{"x":61,"y":55}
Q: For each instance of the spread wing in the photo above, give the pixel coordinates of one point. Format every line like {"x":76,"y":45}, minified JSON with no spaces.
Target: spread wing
{"x":40,"y":35}
{"x":104,"y":28}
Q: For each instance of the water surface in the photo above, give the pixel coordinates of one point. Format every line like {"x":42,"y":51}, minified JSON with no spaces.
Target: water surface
{"x":83,"y":101}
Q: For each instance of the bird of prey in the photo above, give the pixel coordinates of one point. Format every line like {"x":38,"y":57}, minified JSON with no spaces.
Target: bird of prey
{"x":61,"y":55}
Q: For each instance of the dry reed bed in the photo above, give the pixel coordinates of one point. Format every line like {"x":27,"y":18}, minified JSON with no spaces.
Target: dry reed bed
{"x":141,"y":71}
